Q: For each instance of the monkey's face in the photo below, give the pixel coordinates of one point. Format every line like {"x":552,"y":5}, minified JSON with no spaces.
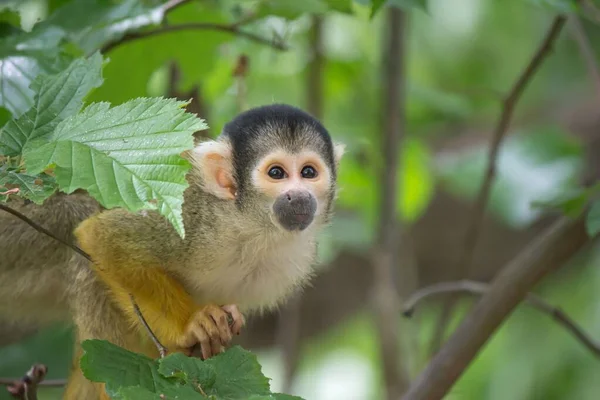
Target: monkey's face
{"x":296,"y":186}
{"x":277,"y":164}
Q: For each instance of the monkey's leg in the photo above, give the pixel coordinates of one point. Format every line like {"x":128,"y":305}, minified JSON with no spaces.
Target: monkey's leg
{"x":97,"y":317}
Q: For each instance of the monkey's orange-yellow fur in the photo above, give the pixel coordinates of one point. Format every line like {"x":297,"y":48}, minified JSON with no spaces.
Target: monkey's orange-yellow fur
{"x":163,"y":301}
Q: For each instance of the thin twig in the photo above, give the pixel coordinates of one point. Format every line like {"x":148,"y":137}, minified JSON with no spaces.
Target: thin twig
{"x":384,"y":292}
{"x":465,"y":260}
{"x":240,"y":72}
{"x":586,"y":51}
{"x":44,"y":383}
{"x":288,"y":326}
{"x":25,"y":388}
{"x":232,"y":29}
{"x":550,"y":250}
{"x":480,"y":288}
{"x":45,"y":231}
{"x":162,"y":350}
{"x":590,"y":10}
{"x":159,"y":346}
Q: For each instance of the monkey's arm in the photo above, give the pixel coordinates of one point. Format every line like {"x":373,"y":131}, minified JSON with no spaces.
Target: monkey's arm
{"x":126,"y":249}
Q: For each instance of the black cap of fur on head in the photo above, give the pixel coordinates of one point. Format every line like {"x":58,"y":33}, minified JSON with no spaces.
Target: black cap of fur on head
{"x":258,"y":131}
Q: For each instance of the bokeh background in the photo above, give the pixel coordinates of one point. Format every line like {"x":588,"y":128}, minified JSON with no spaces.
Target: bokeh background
{"x":461,"y":58}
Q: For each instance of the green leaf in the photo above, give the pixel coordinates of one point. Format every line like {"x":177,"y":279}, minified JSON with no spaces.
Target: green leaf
{"x":375,"y":6}
{"x":23,"y":57}
{"x":570,"y":202}
{"x":35,"y":188}
{"x":415,"y":180}
{"x":232,"y":375}
{"x":103,"y":361}
{"x":10,"y":22}
{"x":126,"y":156}
{"x":592,"y":222}
{"x":119,"y":368}
{"x":5,"y":116}
{"x":57,"y":97}
{"x":343,"y":6}
{"x":239,"y":375}
{"x":92,"y":23}
{"x":190,"y":370}
{"x":140,"y":393}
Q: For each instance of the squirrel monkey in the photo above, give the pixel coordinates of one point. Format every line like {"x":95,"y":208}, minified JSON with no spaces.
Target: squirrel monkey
{"x":257,"y":197}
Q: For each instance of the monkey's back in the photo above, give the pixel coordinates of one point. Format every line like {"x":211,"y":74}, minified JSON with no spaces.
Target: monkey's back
{"x":34,"y":267}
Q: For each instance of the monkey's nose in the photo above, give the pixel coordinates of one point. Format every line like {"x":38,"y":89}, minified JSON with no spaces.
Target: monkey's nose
{"x":298,"y":197}
{"x":295,"y":209}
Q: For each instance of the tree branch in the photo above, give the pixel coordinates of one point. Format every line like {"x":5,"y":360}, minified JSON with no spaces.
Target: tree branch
{"x":512,"y":285}
{"x":26,"y":387}
{"x":162,"y":350}
{"x":480,"y":288}
{"x":586,"y":50}
{"x":233,"y":29}
{"x":288,"y":326}
{"x":465,"y":259}
{"x":34,"y":225}
{"x":384,"y":292}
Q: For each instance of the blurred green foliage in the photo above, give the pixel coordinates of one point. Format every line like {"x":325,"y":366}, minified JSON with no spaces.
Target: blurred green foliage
{"x":463,"y":57}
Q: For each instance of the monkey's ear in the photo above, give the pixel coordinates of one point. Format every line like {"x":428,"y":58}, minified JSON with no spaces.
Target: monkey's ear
{"x":338,"y":152}
{"x":216,"y":167}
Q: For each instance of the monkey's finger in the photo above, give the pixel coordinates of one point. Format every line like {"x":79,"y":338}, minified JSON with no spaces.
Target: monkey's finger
{"x":204,"y":341}
{"x":187,"y":340}
{"x":196,"y":334}
{"x":213,"y":334}
{"x":236,"y":315}
{"x":220,"y":318}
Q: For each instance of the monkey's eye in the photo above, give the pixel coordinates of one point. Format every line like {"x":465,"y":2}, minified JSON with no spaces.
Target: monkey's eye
{"x":276,"y":173}
{"x":308,"y":172}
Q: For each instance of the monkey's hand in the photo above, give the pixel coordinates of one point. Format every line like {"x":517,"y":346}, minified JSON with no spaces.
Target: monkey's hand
{"x":209,"y":327}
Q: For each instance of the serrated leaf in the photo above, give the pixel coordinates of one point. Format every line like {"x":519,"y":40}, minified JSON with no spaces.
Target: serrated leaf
{"x":35,"y":188}
{"x":23,"y":57}
{"x":191,"y":370}
{"x":239,"y":375}
{"x":126,"y":156}
{"x":119,"y":368}
{"x":137,"y":393}
{"x":592,"y":221}
{"x":236,"y":375}
{"x":92,"y":23}
{"x":57,"y":97}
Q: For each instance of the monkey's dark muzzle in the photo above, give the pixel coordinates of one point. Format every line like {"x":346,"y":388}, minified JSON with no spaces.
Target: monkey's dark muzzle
{"x":295,"y":210}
